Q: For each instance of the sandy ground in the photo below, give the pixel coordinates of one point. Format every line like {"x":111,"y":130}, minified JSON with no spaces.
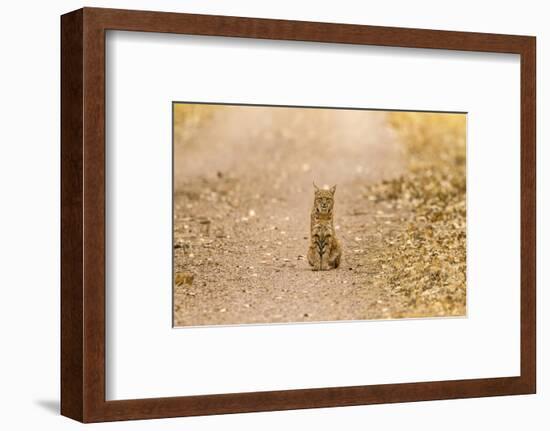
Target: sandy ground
{"x":243,"y":195}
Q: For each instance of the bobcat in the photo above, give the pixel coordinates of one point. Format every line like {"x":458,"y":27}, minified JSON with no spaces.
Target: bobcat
{"x":324,"y":249}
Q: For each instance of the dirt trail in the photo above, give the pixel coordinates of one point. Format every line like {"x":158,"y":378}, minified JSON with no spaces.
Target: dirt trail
{"x":243,"y":195}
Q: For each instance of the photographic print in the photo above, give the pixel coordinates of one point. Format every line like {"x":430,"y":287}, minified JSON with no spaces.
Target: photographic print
{"x":306,"y":214}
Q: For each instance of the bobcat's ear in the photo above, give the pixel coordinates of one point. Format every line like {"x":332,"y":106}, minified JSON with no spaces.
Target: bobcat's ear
{"x":315,"y":186}
{"x":333,"y":189}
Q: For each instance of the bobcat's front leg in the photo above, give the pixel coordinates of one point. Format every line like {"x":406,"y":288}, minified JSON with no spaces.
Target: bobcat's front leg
{"x":324,"y":259}
{"x":313,"y":258}
{"x":335,"y":255}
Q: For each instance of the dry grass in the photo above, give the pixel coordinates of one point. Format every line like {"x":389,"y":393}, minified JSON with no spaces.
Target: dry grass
{"x":426,"y":261}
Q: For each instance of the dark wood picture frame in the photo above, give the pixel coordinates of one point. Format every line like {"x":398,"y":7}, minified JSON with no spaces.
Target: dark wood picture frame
{"x":83,"y":214}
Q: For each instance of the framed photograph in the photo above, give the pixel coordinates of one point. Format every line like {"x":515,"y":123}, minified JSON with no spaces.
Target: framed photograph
{"x":266,"y":215}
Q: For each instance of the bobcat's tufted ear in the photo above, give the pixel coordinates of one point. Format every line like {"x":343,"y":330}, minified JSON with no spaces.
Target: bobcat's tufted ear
{"x":333,"y":189}
{"x":315,"y":187}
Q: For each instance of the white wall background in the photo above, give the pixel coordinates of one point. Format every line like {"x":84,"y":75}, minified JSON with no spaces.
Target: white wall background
{"x":29,"y":215}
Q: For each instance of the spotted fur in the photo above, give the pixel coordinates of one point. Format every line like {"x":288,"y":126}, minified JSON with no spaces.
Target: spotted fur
{"x":324,"y":251}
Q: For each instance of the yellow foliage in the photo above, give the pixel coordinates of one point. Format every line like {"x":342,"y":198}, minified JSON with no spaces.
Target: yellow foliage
{"x":431,"y":138}
{"x":426,"y":261}
{"x":189,"y":116}
{"x":191,"y":113}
